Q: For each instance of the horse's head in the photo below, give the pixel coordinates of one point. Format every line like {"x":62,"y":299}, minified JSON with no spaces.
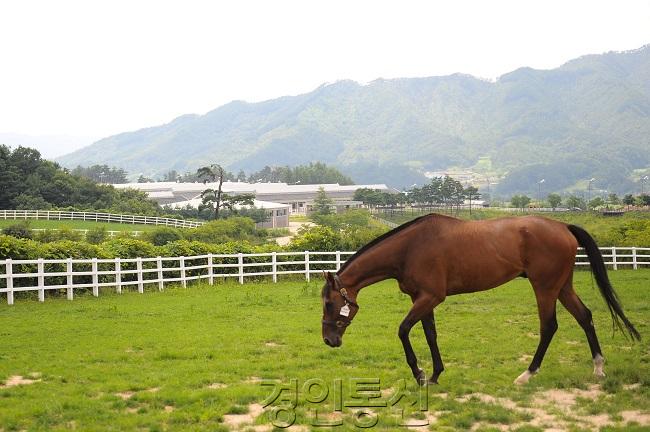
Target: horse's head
{"x":338,"y":310}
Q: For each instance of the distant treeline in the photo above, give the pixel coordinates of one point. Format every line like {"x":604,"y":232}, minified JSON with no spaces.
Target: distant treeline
{"x":30,"y":182}
{"x":314,"y":173}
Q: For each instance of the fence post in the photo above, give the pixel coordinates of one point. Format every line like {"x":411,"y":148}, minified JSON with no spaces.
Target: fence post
{"x":10,"y":281}
{"x":69,"y":277}
{"x":307,"y":266}
{"x":240,"y":261}
{"x":338,"y":260}
{"x":274,"y":266}
{"x":182,"y":263}
{"x":634,"y":265}
{"x":41,"y":280}
{"x":614,"y":258}
{"x":118,"y":275}
{"x":210,"y":270}
{"x":95,"y":278}
{"x":139,"y":268}
{"x":159,"y":267}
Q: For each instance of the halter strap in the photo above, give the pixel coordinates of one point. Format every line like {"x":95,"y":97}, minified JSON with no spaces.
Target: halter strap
{"x":344,"y":292}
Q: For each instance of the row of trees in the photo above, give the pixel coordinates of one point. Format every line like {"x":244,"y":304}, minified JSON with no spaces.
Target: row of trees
{"x":30,"y":182}
{"x":440,"y":191}
{"x":554,"y":201}
{"x":101,"y":174}
{"x":314,"y":173}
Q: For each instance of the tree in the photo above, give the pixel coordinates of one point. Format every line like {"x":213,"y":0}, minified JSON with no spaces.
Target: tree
{"x":322,"y":202}
{"x":628,"y":200}
{"x":214,"y":173}
{"x":596,"y":202}
{"x":554,"y":200}
{"x":613,"y":199}
{"x":520,"y":201}
{"x":143,"y":179}
{"x":231,"y":201}
{"x":575,"y":203}
{"x":471,"y":193}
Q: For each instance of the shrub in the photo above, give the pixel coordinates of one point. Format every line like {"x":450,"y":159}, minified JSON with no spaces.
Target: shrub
{"x":162,"y":235}
{"x":18,"y":230}
{"x":46,"y":235}
{"x":130,"y":248}
{"x":96,"y":235}
{"x":223,"y":230}
{"x":18,"y":248}
{"x":316,"y":238}
{"x":68,"y":234}
{"x":71,"y":249}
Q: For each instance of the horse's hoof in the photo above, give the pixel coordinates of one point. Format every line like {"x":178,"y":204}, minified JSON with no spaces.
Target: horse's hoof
{"x":599,"y":363}
{"x":431,"y":381}
{"x":524,"y":377}
{"x":421,"y":378}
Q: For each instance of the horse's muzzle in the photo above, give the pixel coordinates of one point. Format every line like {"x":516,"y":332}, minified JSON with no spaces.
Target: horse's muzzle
{"x":334,"y":342}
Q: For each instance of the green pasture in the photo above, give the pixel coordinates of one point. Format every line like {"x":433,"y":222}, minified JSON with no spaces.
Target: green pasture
{"x":77,"y":224}
{"x":192,"y":359}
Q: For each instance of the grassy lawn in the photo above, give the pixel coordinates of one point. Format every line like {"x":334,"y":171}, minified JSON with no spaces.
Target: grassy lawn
{"x":192,"y":359}
{"x":75,"y":224}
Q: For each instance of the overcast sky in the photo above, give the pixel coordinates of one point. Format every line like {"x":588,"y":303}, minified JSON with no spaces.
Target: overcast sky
{"x":96,"y":68}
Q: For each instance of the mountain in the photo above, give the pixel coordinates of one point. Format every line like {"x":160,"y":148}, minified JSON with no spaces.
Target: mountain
{"x":588,"y":118}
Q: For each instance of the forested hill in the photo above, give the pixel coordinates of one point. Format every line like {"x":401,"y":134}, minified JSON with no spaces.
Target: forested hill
{"x":587,"y":118}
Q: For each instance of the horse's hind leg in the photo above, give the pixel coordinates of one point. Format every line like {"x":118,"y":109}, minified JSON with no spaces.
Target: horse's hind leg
{"x":582,"y":314}
{"x":429,"y":326}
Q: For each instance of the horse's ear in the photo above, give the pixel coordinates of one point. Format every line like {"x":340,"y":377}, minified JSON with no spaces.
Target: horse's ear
{"x":329,"y":278}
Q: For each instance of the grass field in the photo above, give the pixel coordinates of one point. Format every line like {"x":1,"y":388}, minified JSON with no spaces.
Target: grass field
{"x":75,"y":224}
{"x":192,"y":359}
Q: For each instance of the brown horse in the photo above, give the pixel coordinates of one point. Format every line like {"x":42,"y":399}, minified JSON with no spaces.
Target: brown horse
{"x":435,"y":256}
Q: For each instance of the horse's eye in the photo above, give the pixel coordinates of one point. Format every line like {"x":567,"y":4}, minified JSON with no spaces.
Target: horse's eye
{"x":328,"y":306}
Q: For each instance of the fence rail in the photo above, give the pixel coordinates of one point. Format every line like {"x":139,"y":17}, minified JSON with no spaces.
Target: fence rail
{"x":97,"y":217}
{"x":92,"y":274}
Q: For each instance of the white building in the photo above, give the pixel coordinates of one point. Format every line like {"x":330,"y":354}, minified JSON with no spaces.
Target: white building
{"x":279,"y":198}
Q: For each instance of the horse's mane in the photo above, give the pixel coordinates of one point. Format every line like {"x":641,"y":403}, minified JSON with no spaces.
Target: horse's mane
{"x":384,"y":237}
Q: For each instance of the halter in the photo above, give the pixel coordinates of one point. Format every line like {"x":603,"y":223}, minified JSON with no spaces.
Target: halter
{"x":343,"y":321}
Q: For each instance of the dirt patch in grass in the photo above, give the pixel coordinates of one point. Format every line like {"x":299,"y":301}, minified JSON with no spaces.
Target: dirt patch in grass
{"x":566,"y":399}
{"x":17,"y":380}
{"x":235,"y":421}
{"x":125,"y":395}
{"x":555,"y":410}
{"x":217,"y":385}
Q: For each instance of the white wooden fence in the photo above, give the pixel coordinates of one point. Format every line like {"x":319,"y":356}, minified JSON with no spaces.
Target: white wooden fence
{"x":91,"y":274}
{"x":97,"y":217}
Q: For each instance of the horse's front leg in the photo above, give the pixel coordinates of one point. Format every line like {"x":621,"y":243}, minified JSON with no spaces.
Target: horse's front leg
{"x":422,"y":307}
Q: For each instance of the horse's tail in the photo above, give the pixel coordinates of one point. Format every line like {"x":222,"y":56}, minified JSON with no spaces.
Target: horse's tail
{"x":600,"y":273}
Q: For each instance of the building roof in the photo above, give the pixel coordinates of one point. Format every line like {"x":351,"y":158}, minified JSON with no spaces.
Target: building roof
{"x":186,"y":190}
{"x":267,"y":205}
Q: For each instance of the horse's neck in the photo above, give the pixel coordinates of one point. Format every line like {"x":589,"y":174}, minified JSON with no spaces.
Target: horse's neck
{"x":376,"y":264}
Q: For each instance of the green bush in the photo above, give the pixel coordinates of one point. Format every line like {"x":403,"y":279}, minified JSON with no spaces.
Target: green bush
{"x":316,"y":238}
{"x":72,"y":249}
{"x":162,"y":235}
{"x":96,"y":235}
{"x":19,"y":248}
{"x":19,"y":230}
{"x":223,"y":230}
{"x":130,"y":248}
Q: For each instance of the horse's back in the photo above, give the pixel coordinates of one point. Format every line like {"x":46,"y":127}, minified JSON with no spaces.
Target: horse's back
{"x":478,"y":255}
